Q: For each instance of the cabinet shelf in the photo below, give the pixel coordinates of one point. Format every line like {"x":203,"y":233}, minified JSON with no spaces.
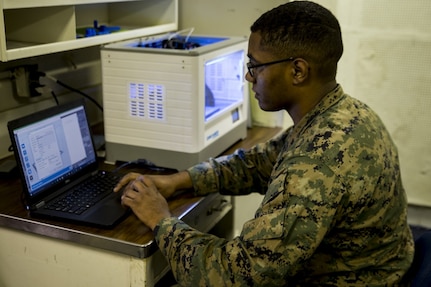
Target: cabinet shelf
{"x":27,"y":30}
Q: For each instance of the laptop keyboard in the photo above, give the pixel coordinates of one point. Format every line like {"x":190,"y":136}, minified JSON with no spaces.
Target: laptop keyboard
{"x":86,"y":194}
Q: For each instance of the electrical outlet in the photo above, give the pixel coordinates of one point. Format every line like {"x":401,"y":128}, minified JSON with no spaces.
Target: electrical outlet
{"x":26,"y":80}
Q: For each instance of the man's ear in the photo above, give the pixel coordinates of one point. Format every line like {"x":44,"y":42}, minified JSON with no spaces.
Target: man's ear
{"x":300,"y":70}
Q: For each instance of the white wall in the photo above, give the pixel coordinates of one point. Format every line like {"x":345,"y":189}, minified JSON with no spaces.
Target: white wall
{"x":387,"y":65}
{"x":79,"y":69}
{"x":223,"y":17}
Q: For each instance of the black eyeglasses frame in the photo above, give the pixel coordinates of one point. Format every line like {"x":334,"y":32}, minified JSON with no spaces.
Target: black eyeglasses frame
{"x":250,"y":66}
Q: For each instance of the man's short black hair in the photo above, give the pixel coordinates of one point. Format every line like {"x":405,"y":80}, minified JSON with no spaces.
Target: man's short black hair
{"x":302,"y":29}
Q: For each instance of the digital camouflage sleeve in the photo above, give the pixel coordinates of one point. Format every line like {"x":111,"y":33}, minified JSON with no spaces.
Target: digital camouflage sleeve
{"x":333,"y":212}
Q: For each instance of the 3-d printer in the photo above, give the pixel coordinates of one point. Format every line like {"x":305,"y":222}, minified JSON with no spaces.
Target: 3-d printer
{"x":174,"y":100}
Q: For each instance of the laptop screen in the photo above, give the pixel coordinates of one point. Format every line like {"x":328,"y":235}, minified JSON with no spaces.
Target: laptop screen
{"x":54,"y":148}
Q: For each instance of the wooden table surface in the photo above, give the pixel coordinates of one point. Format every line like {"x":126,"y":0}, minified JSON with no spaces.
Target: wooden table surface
{"x":130,"y":233}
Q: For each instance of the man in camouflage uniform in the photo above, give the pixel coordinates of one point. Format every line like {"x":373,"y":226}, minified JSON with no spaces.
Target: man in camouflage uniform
{"x":334,"y":208}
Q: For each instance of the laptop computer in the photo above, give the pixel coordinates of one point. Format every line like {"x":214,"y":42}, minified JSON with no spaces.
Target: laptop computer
{"x":56,"y":156}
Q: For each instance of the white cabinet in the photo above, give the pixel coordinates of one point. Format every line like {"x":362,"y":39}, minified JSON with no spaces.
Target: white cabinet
{"x":31,"y":28}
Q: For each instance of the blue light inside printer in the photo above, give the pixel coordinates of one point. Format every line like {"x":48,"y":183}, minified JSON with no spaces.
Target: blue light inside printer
{"x":179,"y":42}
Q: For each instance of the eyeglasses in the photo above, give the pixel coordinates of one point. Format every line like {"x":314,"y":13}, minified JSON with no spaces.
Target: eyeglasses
{"x":251,"y":67}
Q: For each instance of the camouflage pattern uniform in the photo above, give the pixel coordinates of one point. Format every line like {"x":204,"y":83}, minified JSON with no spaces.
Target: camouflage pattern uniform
{"x":333,"y":214}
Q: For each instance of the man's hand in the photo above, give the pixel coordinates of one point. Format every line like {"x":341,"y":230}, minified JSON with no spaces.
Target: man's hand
{"x":145,"y":194}
{"x":165,"y":184}
{"x":142,"y":196}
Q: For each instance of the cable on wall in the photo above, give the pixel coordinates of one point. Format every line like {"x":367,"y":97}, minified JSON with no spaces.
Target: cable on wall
{"x":71,"y":89}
